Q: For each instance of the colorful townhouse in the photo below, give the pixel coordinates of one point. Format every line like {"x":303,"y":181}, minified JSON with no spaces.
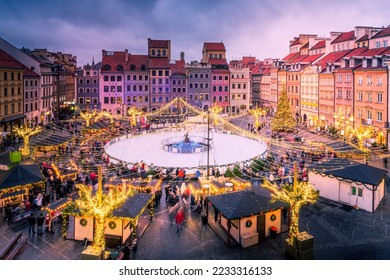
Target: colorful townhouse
{"x":179,"y":79}
{"x":11,"y":92}
{"x":239,"y":88}
{"x":371,"y":88}
{"x":159,"y":54}
{"x":87,"y":87}
{"x":136,"y":82}
{"x":199,"y":84}
{"x":265,"y":83}
{"x":111,"y":84}
{"x":31,"y":98}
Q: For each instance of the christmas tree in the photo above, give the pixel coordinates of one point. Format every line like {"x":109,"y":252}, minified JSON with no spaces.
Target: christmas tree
{"x":284,"y":119}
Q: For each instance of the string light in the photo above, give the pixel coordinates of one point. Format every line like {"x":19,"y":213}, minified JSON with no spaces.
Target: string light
{"x":88,"y":116}
{"x":104,"y":114}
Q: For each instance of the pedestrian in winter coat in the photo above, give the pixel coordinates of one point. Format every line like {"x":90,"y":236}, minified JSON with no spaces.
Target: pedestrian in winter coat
{"x":40,"y":222}
{"x":31,"y":222}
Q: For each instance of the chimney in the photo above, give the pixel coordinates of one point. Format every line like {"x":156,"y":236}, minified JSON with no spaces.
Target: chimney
{"x":126,"y":55}
{"x":103,"y":54}
{"x":181,"y":55}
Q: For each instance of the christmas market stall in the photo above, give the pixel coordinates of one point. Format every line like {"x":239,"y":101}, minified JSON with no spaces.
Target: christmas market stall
{"x":119,"y":228}
{"x":16,"y":183}
{"x":358,"y":185}
{"x":54,"y":211}
{"x":246,"y":217}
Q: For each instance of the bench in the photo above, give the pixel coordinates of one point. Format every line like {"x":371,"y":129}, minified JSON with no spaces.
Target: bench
{"x":9,"y":251}
{"x":21,"y":216}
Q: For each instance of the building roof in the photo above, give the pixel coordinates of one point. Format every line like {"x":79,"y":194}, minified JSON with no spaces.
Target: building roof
{"x":372,"y":52}
{"x":218,"y":61}
{"x":134,"y":206}
{"x":361,"y":173}
{"x":355,"y":52}
{"x":113,"y":59}
{"x":178,"y":67}
{"x":383,"y":33}
{"x":159,"y":62}
{"x":290,"y":56}
{"x":137,"y":60}
{"x":30,"y":73}
{"x":211,"y":46}
{"x":20,"y":175}
{"x":321,"y":44}
{"x":311,"y":58}
{"x":331,"y":57}
{"x":295,"y":42}
{"x":343,"y":37}
{"x":163,"y":44}
{"x":7,"y":61}
{"x":235,"y":205}
{"x":362,"y":39}
{"x":298,"y":59}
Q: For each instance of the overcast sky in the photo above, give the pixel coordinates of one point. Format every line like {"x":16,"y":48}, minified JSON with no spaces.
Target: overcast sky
{"x":260,"y":28}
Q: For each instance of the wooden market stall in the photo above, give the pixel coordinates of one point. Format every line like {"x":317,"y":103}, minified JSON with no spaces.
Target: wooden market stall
{"x":121,"y":227}
{"x":246,"y":217}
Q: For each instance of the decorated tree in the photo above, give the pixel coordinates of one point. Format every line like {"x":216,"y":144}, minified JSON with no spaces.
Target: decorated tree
{"x":133,"y":112}
{"x":257,"y":112}
{"x":297,"y":195}
{"x":100,"y":206}
{"x":284,"y":118}
{"x":362,"y":134}
{"x":26,"y":132}
{"x":88,"y":116}
{"x":104,"y":114}
{"x":215,"y":110}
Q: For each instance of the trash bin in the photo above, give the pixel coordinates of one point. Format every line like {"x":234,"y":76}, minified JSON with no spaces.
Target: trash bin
{"x":273,"y":230}
{"x":204,"y":218}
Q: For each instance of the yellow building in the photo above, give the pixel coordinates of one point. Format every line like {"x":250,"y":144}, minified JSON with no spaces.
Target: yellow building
{"x":11,"y":92}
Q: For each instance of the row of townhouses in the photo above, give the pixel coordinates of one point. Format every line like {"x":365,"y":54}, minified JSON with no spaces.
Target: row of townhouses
{"x":338,"y":80}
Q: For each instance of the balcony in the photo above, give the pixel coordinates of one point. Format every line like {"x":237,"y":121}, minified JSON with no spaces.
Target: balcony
{"x":366,"y":121}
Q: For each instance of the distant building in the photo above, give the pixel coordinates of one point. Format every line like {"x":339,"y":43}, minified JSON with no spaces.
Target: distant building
{"x":199,"y":85}
{"x":87,"y":87}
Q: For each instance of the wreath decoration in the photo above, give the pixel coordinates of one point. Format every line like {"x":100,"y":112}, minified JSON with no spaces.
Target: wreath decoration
{"x":83,"y":222}
{"x":112,"y":225}
{"x":248,"y":223}
{"x":273,"y":217}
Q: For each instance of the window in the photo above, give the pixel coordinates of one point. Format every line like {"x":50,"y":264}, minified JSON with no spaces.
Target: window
{"x":360,"y":81}
{"x":379,"y":81}
{"x":369,"y":115}
{"x":154,"y":73}
{"x":348,"y":94}
{"x":226,"y":88}
{"x":339,"y":93}
{"x":112,"y":89}
{"x":226,"y":78}
{"x":112,"y":78}
{"x":360,"y":192}
{"x":119,"y":88}
{"x":377,"y":44}
{"x":220,"y":88}
{"x":94,"y":100}
{"x":360,"y":96}
{"x":140,"y":77}
{"x":220,"y":78}
{"x":113,"y":100}
{"x":160,"y":72}
{"x":369,"y":96}
{"x":379,"y":97}
{"x":119,"y":78}
{"x":347,"y":78}
{"x":339,"y":78}
{"x":385,"y":43}
{"x":360,"y":113}
{"x":134,"y":88}
{"x":379,"y":116}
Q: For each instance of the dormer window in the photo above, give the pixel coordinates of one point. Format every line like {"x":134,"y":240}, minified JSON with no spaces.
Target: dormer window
{"x":132,"y":67}
{"x":119,"y":67}
{"x":106,"y":67}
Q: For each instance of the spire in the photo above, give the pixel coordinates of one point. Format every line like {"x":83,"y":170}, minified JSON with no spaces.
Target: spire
{"x":93,"y":60}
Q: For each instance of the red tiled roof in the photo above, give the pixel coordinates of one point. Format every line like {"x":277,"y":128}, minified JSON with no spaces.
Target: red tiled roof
{"x":355,"y":52}
{"x":113,"y":59}
{"x":209,"y":46}
{"x":248,"y":59}
{"x":159,"y":62}
{"x":290,"y":56}
{"x":331,"y":57}
{"x":298,"y":59}
{"x":158,"y":43}
{"x":343,"y":37}
{"x":7,"y":61}
{"x":178,"y":67}
{"x":295,"y":42}
{"x":311,"y":58}
{"x":387,"y":52}
{"x":321,"y":44}
{"x":363,"y":38}
{"x":305,"y":46}
{"x":256,"y":69}
{"x":138,"y":60}
{"x":266,"y":71}
{"x":30,"y":73}
{"x":383,"y":33}
{"x":217,"y":61}
{"x":373,"y":52}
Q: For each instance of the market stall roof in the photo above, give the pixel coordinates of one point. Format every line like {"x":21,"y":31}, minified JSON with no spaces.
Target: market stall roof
{"x":61,"y":203}
{"x":6,"y":195}
{"x":50,"y":137}
{"x":133,"y":206}
{"x":331,"y":164}
{"x":97,"y":126}
{"x":22,"y":174}
{"x":235,"y":205}
{"x":362,"y":173}
{"x":342,"y":147}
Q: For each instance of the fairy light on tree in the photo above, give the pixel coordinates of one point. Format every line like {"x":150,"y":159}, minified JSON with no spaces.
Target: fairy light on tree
{"x":284,"y":119}
{"x":103,"y":114}
{"x":133,"y":112}
{"x":297,"y":195}
{"x":257,"y":112}
{"x":362,"y":134}
{"x":26,"y":132}
{"x":100,"y":206}
{"x":88,"y":116}
{"x":215,"y":110}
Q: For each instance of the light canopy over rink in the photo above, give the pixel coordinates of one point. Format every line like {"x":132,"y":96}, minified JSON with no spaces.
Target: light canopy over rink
{"x":225,"y":149}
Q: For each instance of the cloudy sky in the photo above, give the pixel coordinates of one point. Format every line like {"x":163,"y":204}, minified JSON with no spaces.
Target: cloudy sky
{"x":260,"y":28}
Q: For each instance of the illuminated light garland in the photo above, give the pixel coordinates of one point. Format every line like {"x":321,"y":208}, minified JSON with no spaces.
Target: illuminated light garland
{"x":133,"y":112}
{"x":104,"y":114}
{"x":297,"y":195}
{"x":26,"y":132}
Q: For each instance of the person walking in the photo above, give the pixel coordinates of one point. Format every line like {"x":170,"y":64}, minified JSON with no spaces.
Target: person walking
{"x":31,"y":222}
{"x":8,"y":213}
{"x":180,"y":216}
{"x":40,"y":222}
